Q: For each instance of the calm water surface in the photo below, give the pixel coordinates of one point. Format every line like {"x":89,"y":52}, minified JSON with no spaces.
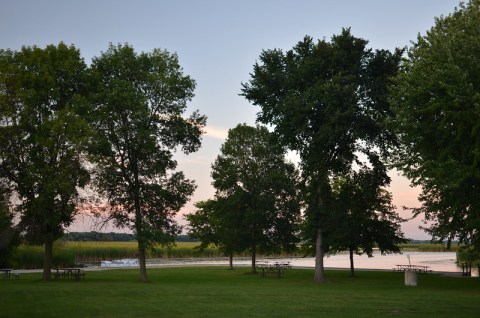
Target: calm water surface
{"x":437,"y":261}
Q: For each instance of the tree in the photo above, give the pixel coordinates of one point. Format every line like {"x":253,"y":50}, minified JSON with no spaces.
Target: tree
{"x":364,"y":213}
{"x":140,"y":101}
{"x":258,"y":190}
{"x":328,"y":102}
{"x":215,"y":222}
{"x":9,"y":235}
{"x":436,"y":98}
{"x":42,"y":138}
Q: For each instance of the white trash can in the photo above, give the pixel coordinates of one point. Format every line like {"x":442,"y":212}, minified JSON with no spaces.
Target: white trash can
{"x":410,"y":278}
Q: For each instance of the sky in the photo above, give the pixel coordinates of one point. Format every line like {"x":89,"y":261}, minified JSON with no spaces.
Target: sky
{"x":217,"y":43}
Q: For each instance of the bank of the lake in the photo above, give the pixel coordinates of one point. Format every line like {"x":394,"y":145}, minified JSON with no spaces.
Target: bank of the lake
{"x":436,"y":261}
{"x":74,"y":253}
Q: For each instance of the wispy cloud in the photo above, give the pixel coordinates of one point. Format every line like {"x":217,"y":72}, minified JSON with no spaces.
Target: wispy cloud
{"x":216,"y":132}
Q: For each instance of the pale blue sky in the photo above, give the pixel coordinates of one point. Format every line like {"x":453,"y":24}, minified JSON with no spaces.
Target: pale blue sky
{"x":217,"y":43}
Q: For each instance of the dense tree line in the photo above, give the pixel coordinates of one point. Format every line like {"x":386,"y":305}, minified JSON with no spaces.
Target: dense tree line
{"x":98,"y":237}
{"x":113,"y":126}
{"x":327,"y":101}
{"x":112,"y":237}
{"x":436,"y":98}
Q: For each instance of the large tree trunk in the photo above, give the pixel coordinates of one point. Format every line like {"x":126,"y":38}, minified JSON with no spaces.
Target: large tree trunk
{"x":352,"y":269}
{"x":230,"y":261}
{"x":48,"y":260}
{"x":139,"y":228}
{"x":141,"y":243}
{"x":254,"y":260}
{"x":319,"y":270}
{"x":143,"y":264}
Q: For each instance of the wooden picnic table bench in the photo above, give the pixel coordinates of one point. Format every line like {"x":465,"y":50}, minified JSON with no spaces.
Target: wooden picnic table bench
{"x":5,"y":272}
{"x":272,"y":268}
{"x":416,"y":268}
{"x":69,"y":273}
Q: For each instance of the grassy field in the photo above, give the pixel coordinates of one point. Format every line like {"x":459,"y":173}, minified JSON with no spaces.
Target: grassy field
{"x":217,"y":292}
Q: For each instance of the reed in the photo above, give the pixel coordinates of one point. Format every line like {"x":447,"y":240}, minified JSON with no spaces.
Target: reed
{"x":72,"y":253}
{"x":429,"y":247}
{"x":31,"y":257}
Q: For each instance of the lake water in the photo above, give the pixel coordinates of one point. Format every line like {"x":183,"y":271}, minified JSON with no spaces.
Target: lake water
{"x":437,"y":261}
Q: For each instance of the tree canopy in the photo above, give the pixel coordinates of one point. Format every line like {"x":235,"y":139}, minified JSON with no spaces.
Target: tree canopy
{"x":364,"y":214}
{"x":256,"y":191}
{"x":42,"y":138}
{"x":140,"y":100}
{"x":327,"y":101}
{"x":437,"y":98}
{"x":216,"y":222}
{"x":9,"y":234}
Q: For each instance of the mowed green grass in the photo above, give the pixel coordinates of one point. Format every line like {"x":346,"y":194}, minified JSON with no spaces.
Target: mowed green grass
{"x":218,"y":292}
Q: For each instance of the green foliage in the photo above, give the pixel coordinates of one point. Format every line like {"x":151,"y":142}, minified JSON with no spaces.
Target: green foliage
{"x":140,"y":101}
{"x":98,"y":236}
{"x":437,"y":98}
{"x":327,"y":101}
{"x":42,"y":136}
{"x":215,"y":223}
{"x":113,"y":237}
{"x":364,"y":215}
{"x":32,"y":257}
{"x":205,"y":225}
{"x":468,"y":255}
{"x":256,"y":203}
{"x":9,"y":235}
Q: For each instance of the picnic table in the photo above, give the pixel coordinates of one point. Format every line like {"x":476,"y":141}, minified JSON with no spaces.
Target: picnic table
{"x":272,"y":268}
{"x":69,"y":273}
{"x":5,"y":272}
{"x":416,"y":268}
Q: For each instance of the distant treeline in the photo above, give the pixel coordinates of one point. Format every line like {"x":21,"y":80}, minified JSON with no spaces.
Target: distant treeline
{"x":419,"y":242}
{"x":94,"y":236}
{"x":112,"y":237}
{"x":429,"y":242}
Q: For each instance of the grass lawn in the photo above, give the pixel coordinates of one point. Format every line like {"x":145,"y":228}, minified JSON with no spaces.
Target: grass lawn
{"x":217,"y":292}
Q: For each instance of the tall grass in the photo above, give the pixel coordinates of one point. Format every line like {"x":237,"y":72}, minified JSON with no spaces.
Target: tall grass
{"x":31,"y":257}
{"x":429,"y":247}
{"x":73,"y":253}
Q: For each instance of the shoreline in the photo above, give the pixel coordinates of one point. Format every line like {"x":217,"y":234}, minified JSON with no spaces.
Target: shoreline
{"x":98,"y":268}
